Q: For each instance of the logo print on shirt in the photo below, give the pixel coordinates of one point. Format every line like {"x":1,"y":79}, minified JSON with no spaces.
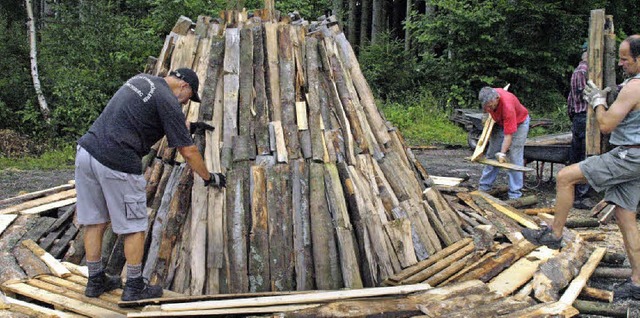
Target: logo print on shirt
{"x":152,"y":88}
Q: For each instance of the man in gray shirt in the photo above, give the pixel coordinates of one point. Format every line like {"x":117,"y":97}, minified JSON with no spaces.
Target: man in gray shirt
{"x":109,"y":181}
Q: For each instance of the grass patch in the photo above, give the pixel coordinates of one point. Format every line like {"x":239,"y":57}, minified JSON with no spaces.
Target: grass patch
{"x":421,"y":122}
{"x":58,"y":159}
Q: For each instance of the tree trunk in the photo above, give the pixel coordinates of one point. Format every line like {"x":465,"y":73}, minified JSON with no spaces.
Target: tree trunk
{"x":352,"y":30}
{"x":376,"y":20}
{"x":34,"y":62}
{"x":365,"y":23}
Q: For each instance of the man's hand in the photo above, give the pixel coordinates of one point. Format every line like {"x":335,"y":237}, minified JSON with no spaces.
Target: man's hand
{"x":595,"y":96}
{"x":501,"y":157}
{"x":199,"y":127}
{"x":217,"y":180}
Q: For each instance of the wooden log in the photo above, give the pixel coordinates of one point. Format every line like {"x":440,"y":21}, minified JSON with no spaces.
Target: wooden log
{"x":596,"y":293}
{"x":453,"y":268}
{"x":64,"y":195}
{"x":154,"y":237}
{"x":606,"y":214}
{"x":272,"y":71}
{"x":36,"y":194}
{"x":47,"y":241}
{"x":490,"y":268}
{"x":175,"y":218}
{"x":109,"y":240}
{"x":483,"y":141}
{"x":231,"y":87}
{"x":421,"y":242}
{"x":435,"y":268}
{"x":537,"y":211}
{"x":612,"y":272}
{"x":598,"y":207}
{"x":244,"y":148}
{"x":154,"y":179}
{"x":245,"y":117}
{"x":399,"y":233}
{"x":602,"y":309}
{"x":581,"y":222}
{"x":313,"y":98}
{"x":33,"y":310}
{"x":237,"y":230}
{"x":410,"y":271}
{"x":325,"y":250}
{"x":261,"y":117}
{"x":244,"y":311}
{"x":346,"y":246}
{"x":287,"y":76}
{"x":556,"y":273}
{"x":78,"y":287}
{"x":42,"y":225}
{"x":116,"y":259}
{"x":297,"y":299}
{"x":278,"y":140}
{"x":302,"y":226}
{"x":259,"y":235}
{"x":179,"y":276}
{"x":523,"y":201}
{"x":162,"y":184}
{"x":572,"y":292}
{"x":10,"y":270}
{"x":198,"y":230}
{"x":281,"y":265}
{"x":595,"y":60}
{"x":53,"y":264}
{"x":402,"y":181}
{"x":446,"y":214}
{"x":76,"y":251}
{"x":61,"y":246}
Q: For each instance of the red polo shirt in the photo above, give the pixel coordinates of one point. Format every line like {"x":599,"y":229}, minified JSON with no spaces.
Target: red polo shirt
{"x":509,"y":113}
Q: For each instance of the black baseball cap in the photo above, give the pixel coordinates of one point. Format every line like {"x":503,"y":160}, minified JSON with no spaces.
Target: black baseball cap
{"x":189,"y":76}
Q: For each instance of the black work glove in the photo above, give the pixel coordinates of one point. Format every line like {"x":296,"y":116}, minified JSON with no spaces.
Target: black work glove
{"x":217,"y":180}
{"x":199,"y":127}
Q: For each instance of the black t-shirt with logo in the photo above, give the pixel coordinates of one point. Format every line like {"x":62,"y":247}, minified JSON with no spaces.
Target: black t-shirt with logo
{"x":142,"y":111}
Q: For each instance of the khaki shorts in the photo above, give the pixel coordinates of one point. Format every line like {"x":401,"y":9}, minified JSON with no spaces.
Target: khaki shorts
{"x":108,"y":195}
{"x":616,"y":172}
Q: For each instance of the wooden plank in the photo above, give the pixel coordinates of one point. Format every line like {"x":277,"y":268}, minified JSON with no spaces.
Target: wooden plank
{"x":595,"y":61}
{"x":275,"y":129}
{"x":297,"y":299}
{"x":287,"y":77}
{"x":572,"y":292}
{"x":225,"y":312}
{"x":280,"y":215}
{"x":505,"y":165}
{"x":399,"y":232}
{"x":236,"y":228}
{"x":301,"y":116}
{"x":507,"y":210}
{"x":231,"y":87}
{"x":32,"y":265}
{"x":36,"y":194}
{"x":78,"y":288}
{"x":54,"y":265}
{"x":41,"y":201}
{"x":63,"y":291}
{"x":33,"y":310}
{"x":258,"y":270}
{"x":198,"y":229}
{"x":59,"y":247}
{"x":245,"y":108}
{"x":520,"y":272}
{"x":272,"y":72}
{"x":61,"y":301}
{"x":6,"y":220}
{"x":483,"y":141}
{"x":261,"y":105}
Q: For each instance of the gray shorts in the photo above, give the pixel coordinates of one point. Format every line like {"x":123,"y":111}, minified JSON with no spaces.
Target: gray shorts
{"x":108,"y":195}
{"x":617,"y":172}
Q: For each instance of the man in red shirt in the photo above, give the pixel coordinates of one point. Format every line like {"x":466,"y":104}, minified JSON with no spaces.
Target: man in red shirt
{"x":507,"y":141}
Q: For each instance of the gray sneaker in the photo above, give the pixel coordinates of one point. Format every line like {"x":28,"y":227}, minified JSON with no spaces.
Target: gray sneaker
{"x":625,"y":290}
{"x":543,"y":236}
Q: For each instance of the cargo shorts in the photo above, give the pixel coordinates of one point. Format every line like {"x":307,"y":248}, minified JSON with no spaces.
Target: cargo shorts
{"x":616,"y":172}
{"x":107,"y":195}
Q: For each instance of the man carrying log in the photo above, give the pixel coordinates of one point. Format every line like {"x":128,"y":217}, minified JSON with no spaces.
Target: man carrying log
{"x":109,"y":181}
{"x":616,"y":172}
{"x":508,"y":113}
{"x":577,"y":110}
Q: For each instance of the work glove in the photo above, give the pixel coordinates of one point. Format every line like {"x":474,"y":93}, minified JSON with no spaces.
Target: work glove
{"x":501,"y":157}
{"x":217,"y":180}
{"x":595,"y":96}
{"x":199,"y":127}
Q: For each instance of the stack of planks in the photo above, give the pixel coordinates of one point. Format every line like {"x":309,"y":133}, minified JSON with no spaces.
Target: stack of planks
{"x":44,"y":217}
{"x":321,"y":193}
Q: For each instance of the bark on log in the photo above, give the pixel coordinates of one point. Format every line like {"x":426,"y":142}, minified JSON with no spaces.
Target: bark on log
{"x":231,"y":87}
{"x":313,"y":98}
{"x":557,"y":272}
{"x":523,"y":201}
{"x":259,"y":258}
{"x":53,"y":264}
{"x":325,"y":251}
{"x":281,"y":266}
{"x":76,"y":251}
{"x":245,"y":124}
{"x":60,"y":247}
{"x":301,"y":226}
{"x":32,"y":265}
{"x":237,"y":231}
{"x":272,"y":72}
{"x":399,"y":233}
{"x":612,"y":272}
{"x":10,"y":271}
{"x":261,"y":118}
{"x":287,"y":77}
{"x":602,"y":309}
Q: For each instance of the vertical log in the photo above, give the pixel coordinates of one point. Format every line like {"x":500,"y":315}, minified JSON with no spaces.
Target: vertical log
{"x":301,"y":226}
{"x":261,"y":117}
{"x":325,"y":251}
{"x":280,"y":227}
{"x":231,"y":86}
{"x":237,"y":209}
{"x":287,"y":90}
{"x":399,"y":232}
{"x":313,"y":99}
{"x":273,"y":78}
{"x":347,"y":248}
{"x":596,"y":54}
{"x":154,"y":179}
{"x":259,"y":236}
{"x":198,"y":230}
{"x":245,"y":125}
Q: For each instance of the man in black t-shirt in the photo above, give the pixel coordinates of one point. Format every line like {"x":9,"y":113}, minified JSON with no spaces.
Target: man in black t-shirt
{"x":109,"y":182}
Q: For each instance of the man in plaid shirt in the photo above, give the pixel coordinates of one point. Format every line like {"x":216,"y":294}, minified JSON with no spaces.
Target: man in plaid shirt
{"x":577,"y":109}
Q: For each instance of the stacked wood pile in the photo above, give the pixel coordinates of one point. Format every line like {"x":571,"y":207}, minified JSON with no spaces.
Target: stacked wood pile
{"x":321,"y":193}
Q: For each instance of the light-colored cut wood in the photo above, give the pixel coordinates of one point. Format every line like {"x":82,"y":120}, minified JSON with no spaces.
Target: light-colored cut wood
{"x":520,"y":272}
{"x":223,"y":312}
{"x":281,"y":148}
{"x":301,"y":115}
{"x":38,"y":202}
{"x":506,"y":165}
{"x":37,"y":194}
{"x":484,"y":139}
{"x":6,"y":220}
{"x":49,"y":206}
{"x":36,"y":310}
{"x":507,"y":210}
{"x":54,"y":265}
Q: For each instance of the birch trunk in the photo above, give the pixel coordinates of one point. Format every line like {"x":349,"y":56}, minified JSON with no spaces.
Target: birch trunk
{"x":34,"y":62}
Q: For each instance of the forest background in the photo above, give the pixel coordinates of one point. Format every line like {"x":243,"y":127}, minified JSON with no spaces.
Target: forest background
{"x":422,"y":58}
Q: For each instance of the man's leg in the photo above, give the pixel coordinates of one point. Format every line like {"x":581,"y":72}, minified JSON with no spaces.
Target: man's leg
{"x":135,"y":287}
{"x":567,"y":179}
{"x":93,"y":241}
{"x":134,"y":248}
{"x":631,"y":236}
{"x":489,"y":173}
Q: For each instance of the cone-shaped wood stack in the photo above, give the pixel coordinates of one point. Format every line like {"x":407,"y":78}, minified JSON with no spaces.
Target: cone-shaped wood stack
{"x":321,"y":193}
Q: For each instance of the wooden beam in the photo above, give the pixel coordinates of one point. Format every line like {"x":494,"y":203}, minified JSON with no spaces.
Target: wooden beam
{"x":41,"y":201}
{"x":37,"y":194}
{"x":595,"y":60}
{"x":505,"y":165}
{"x":54,"y":265}
{"x":484,"y":139}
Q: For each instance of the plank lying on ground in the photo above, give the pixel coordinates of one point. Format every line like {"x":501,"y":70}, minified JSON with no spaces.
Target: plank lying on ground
{"x":297,"y":299}
{"x":41,"y":201}
{"x":447,"y":181}
{"x":33,"y":310}
{"x":62,"y":301}
{"x":36,"y":194}
{"x":506,"y":165}
{"x":507,"y":210}
{"x":183,"y":298}
{"x":150,"y":312}
{"x":520,"y":272}
{"x":5,"y":221}
{"x":49,"y":206}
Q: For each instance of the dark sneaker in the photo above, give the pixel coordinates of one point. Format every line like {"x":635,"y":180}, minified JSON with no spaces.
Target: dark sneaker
{"x":543,"y":236}
{"x":101,"y":283}
{"x":137,"y":288}
{"x":626,"y":289}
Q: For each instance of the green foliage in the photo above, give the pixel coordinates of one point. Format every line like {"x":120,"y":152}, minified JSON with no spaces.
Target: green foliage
{"x":61,"y":158}
{"x":388,"y":68}
{"x":532,"y":45}
{"x":421,"y":121}
{"x":309,"y":10}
